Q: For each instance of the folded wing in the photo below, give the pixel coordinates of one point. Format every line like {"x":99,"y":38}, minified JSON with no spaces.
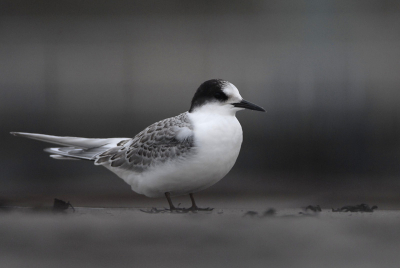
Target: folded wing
{"x":166,"y":140}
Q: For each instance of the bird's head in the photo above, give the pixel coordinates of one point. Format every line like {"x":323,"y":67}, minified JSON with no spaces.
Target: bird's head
{"x":217,"y":95}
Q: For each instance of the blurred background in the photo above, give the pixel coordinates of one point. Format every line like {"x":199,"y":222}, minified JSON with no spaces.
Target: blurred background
{"x":327,"y":72}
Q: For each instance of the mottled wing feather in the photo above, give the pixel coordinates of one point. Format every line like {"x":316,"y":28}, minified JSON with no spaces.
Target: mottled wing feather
{"x":160,"y":142}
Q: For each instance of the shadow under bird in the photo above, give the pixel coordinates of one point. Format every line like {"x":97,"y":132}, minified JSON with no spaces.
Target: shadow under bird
{"x":176,"y":156}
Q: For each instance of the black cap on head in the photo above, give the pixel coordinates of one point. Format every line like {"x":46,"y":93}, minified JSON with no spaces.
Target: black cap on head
{"x":210,"y":90}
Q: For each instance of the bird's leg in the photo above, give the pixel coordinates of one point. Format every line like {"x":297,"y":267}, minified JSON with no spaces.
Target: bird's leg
{"x":171,"y":206}
{"x":194,"y":207}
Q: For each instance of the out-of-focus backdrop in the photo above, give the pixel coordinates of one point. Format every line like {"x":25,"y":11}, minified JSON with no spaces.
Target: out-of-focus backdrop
{"x":327,"y":72}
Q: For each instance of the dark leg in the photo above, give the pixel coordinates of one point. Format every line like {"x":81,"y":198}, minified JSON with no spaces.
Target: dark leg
{"x":171,"y":206}
{"x":194,"y":207}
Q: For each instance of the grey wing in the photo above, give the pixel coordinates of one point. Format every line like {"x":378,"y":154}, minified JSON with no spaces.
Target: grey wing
{"x":166,"y":140}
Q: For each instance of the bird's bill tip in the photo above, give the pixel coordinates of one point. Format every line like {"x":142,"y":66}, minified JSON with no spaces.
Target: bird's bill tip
{"x":248,"y":105}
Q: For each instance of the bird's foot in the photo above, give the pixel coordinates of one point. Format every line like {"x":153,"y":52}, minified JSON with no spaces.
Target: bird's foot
{"x":175,"y":210}
{"x":196,"y":208}
{"x":165,"y":210}
{"x":178,"y":210}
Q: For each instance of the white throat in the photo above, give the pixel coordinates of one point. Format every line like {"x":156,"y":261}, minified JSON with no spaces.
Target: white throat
{"x":215,"y":108}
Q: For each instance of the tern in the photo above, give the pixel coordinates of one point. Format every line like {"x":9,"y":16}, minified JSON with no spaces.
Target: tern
{"x":176,"y":156}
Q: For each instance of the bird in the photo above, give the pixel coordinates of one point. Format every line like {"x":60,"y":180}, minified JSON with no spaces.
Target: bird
{"x":180,"y":155}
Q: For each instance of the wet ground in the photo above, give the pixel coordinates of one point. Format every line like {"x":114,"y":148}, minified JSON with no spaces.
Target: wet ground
{"x":225,"y":237}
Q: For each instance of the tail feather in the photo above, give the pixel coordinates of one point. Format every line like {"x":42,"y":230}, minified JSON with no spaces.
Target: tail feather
{"x":77,"y":148}
{"x":60,"y":157}
{"x":68,"y":141}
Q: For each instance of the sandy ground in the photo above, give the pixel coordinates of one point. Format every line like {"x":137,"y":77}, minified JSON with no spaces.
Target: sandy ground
{"x":128,"y":237}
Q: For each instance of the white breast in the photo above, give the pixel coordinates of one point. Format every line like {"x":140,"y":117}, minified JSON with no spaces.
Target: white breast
{"x":218,"y":138}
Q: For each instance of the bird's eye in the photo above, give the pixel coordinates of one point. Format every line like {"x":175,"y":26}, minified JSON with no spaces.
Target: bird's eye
{"x":218,"y":95}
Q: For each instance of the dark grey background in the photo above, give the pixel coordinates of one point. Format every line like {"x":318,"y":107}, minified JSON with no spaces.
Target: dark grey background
{"x":327,"y":72}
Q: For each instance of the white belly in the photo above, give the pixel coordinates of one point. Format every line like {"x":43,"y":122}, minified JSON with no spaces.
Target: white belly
{"x":217,"y":145}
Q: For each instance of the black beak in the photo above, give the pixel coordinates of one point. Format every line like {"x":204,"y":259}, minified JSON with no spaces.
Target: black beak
{"x":248,"y":105}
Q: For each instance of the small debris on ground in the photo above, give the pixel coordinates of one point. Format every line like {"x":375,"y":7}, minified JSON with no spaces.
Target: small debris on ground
{"x":60,"y":205}
{"x":311,"y":210}
{"x":250,"y":213}
{"x":356,"y":208}
{"x":268,"y":213}
{"x":316,"y":208}
{"x":155,"y":210}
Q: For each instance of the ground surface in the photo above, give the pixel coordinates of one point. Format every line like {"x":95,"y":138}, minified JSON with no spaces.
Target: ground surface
{"x":128,"y":237}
